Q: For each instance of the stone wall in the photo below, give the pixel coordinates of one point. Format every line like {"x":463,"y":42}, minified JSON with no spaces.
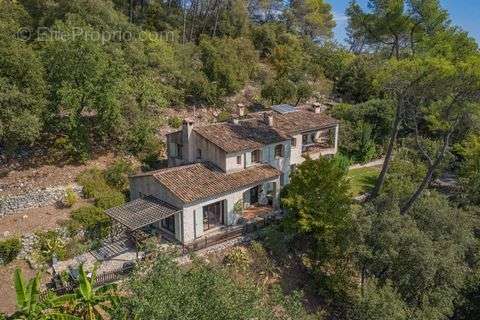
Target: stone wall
{"x":34,"y":199}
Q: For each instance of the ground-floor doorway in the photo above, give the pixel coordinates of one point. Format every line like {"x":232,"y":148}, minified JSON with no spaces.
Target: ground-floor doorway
{"x":169,"y":224}
{"x":214,"y":215}
{"x":254,"y":195}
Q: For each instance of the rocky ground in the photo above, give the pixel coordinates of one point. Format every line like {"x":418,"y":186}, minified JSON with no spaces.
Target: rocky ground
{"x":18,"y":179}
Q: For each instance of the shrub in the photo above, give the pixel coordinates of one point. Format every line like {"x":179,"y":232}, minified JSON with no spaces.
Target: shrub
{"x":9,"y":249}
{"x":93,"y":182}
{"x":109,"y":199}
{"x":151,"y":162}
{"x":50,"y":244}
{"x":228,"y":62}
{"x":70,"y":197}
{"x":117,"y":174}
{"x":141,"y":137}
{"x":64,"y":149}
{"x":205,"y":91}
{"x":237,"y":258}
{"x":238,"y":207}
{"x":278,"y":242}
{"x":93,"y":220}
{"x":224,"y":116}
{"x":175,"y":122}
{"x":261,"y":262}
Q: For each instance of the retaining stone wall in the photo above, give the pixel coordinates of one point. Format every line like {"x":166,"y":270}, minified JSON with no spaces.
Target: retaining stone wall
{"x":34,"y":199}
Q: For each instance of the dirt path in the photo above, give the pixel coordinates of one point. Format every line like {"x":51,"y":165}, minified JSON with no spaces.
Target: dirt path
{"x":374,"y":163}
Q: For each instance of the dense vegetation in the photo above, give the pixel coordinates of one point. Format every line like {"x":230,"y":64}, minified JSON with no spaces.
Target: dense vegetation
{"x":410,"y":86}
{"x":92,"y":74}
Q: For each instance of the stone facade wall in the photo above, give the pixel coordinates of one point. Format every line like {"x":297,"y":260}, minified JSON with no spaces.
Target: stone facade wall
{"x":34,"y":199}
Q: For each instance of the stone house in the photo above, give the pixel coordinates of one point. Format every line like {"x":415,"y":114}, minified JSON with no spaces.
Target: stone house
{"x":221,"y":175}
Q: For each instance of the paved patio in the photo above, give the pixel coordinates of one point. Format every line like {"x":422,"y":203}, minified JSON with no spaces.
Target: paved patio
{"x":109,"y":257}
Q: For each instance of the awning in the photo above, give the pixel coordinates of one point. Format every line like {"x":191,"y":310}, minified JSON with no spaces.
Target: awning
{"x":142,"y":212}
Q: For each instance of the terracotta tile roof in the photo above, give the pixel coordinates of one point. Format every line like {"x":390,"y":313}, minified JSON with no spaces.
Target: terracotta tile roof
{"x":254,"y":133}
{"x":246,"y":135}
{"x":299,"y":121}
{"x":199,"y":181}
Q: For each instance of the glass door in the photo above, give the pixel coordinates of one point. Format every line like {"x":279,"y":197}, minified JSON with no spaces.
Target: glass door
{"x":213,"y":215}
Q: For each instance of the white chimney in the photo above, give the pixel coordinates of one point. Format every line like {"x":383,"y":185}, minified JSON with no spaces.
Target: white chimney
{"x":317,"y":107}
{"x":241,"y":109}
{"x":268,"y":117}
{"x":187,"y":127}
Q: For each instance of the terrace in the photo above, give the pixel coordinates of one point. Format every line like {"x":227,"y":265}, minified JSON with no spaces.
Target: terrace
{"x":319,"y":143}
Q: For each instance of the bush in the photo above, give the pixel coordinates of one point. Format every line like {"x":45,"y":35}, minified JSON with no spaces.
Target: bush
{"x":237,"y":258}
{"x":93,"y":183}
{"x":224,"y":116}
{"x":278,"y":242}
{"x":141,"y":137}
{"x":378,"y":303}
{"x":64,"y":149}
{"x":117,"y":174}
{"x":50,"y":244}
{"x":70,"y":197}
{"x":261,"y":262}
{"x":175,"y":122}
{"x":228,"y":62}
{"x":109,"y":199}
{"x":93,"y":220}
{"x":202,"y":90}
{"x":9,"y":249}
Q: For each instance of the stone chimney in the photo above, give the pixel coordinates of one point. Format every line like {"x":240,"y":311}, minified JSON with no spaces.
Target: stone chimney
{"x":317,"y":107}
{"x":268,"y":118}
{"x":241,"y":109}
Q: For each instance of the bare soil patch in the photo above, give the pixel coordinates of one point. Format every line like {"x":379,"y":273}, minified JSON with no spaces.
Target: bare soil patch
{"x":35,"y":219}
{"x":7,"y":289}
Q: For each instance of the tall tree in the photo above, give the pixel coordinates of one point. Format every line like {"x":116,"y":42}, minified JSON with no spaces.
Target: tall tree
{"x":22,"y":81}
{"x":470,"y":169}
{"x":394,"y":26}
{"x":313,"y":18}
{"x":317,"y":201}
{"x":404,"y":82}
{"x":84,"y":80}
{"x":457,"y":97}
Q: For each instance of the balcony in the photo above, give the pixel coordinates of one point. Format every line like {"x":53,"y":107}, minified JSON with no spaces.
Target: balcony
{"x":317,"y":149}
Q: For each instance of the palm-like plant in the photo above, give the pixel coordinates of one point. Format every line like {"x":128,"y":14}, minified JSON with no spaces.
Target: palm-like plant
{"x":29,"y":306}
{"x":88,"y":302}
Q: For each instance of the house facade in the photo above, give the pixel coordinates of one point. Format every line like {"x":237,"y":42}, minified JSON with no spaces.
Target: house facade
{"x":223,"y":174}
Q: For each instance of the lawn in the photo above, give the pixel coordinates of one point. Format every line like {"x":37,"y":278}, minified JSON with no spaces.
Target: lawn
{"x":363,"y":179}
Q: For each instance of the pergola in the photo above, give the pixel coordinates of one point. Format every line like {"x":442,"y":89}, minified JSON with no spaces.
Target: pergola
{"x":137,"y":214}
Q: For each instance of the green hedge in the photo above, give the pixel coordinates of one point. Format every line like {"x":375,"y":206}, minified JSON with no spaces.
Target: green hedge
{"x":9,"y":249}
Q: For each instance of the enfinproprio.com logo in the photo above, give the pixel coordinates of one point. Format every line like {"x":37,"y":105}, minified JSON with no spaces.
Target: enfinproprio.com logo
{"x":77,"y":33}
